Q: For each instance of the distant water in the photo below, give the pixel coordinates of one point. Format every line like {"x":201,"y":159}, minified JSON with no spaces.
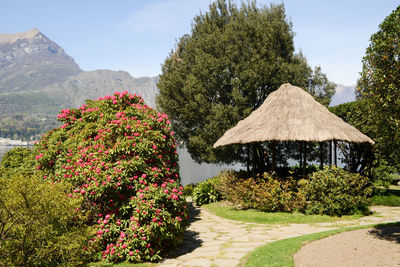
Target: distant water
{"x":190,"y":171}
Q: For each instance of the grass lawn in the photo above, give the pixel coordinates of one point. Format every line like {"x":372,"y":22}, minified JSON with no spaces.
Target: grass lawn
{"x":280,"y":253}
{"x":122,"y":264}
{"x":223,"y":209}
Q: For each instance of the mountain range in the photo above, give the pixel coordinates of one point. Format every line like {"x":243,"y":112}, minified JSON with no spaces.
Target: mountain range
{"x":38,"y":79}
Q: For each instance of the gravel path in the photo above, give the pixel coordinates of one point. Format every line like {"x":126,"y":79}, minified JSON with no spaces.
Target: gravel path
{"x":371,"y":247}
{"x":214,"y":241}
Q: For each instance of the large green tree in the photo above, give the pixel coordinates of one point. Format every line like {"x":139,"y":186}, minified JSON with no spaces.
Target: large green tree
{"x":379,"y":86}
{"x":225,"y":68}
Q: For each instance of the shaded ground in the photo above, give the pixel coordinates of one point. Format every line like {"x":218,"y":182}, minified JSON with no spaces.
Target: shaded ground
{"x":365,"y":247}
{"x":214,"y":241}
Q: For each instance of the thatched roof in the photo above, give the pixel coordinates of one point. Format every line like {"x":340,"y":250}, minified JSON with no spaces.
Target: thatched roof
{"x":291,"y":114}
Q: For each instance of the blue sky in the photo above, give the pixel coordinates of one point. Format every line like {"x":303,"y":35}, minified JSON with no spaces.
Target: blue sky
{"x":137,"y":36}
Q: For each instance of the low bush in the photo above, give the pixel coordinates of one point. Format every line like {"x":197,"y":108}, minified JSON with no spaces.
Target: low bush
{"x":207,"y":191}
{"x":387,"y":197}
{"x":38,"y":223}
{"x":384,"y":175}
{"x":334,"y":191}
{"x":188,"y":190}
{"x":266,"y":194}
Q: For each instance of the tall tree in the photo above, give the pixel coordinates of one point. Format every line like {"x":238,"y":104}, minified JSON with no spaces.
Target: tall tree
{"x":222,"y":71}
{"x":379,"y":86}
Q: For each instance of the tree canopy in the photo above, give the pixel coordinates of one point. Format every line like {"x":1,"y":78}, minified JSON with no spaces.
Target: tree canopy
{"x":225,"y":68}
{"x":379,"y":86}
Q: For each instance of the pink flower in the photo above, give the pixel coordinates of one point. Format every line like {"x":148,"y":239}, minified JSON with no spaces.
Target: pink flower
{"x":130,"y":253}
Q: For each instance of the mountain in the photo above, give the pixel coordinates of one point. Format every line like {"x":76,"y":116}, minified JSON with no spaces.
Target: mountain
{"x":38,"y":79}
{"x":31,"y":60}
{"x":343,"y":94}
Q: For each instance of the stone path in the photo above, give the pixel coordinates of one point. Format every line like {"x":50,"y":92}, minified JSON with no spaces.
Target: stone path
{"x":214,"y":241}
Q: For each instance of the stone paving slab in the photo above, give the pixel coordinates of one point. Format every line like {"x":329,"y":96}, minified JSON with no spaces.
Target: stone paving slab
{"x":214,"y":241}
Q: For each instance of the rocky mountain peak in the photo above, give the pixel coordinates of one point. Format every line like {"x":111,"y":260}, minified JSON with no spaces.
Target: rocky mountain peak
{"x":13,"y":37}
{"x":30,"y":60}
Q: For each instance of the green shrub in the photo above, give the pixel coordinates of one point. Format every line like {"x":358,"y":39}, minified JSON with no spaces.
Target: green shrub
{"x":267,"y":194}
{"x":206,"y":192}
{"x":38,"y":223}
{"x":188,"y":189}
{"x":120,"y":156}
{"x":386,"y":200}
{"x":333,"y":191}
{"x":383,"y":175}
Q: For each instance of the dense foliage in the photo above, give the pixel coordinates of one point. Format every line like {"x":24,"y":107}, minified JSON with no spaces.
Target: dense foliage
{"x":379,"y":86}
{"x":222,"y":71}
{"x":38,"y":222}
{"x":266,"y":194}
{"x":38,"y":225}
{"x":120,"y":157}
{"x":207,"y":191}
{"x":357,"y":157}
{"x":333,"y":191}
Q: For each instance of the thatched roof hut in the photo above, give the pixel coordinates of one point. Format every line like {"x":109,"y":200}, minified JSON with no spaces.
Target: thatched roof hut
{"x":291,"y":114}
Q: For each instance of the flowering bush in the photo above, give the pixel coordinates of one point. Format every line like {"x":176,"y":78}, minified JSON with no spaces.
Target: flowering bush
{"x":121,"y":158}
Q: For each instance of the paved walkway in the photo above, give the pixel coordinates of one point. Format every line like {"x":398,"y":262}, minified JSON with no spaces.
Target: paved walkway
{"x":214,"y":241}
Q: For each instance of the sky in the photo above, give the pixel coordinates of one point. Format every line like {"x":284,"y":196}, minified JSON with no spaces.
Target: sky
{"x":137,"y":36}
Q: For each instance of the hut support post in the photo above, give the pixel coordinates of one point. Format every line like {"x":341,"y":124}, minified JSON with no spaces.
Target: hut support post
{"x":300,"y":154}
{"x":330,"y":152}
{"x":273,"y":148}
{"x":254,"y":160}
{"x":321,"y":155}
{"x":335,"y":148}
{"x":304,"y":157}
{"x":248,"y":160}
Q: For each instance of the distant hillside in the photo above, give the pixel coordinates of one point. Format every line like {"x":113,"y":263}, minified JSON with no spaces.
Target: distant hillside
{"x":93,"y":84}
{"x":38,"y":79}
